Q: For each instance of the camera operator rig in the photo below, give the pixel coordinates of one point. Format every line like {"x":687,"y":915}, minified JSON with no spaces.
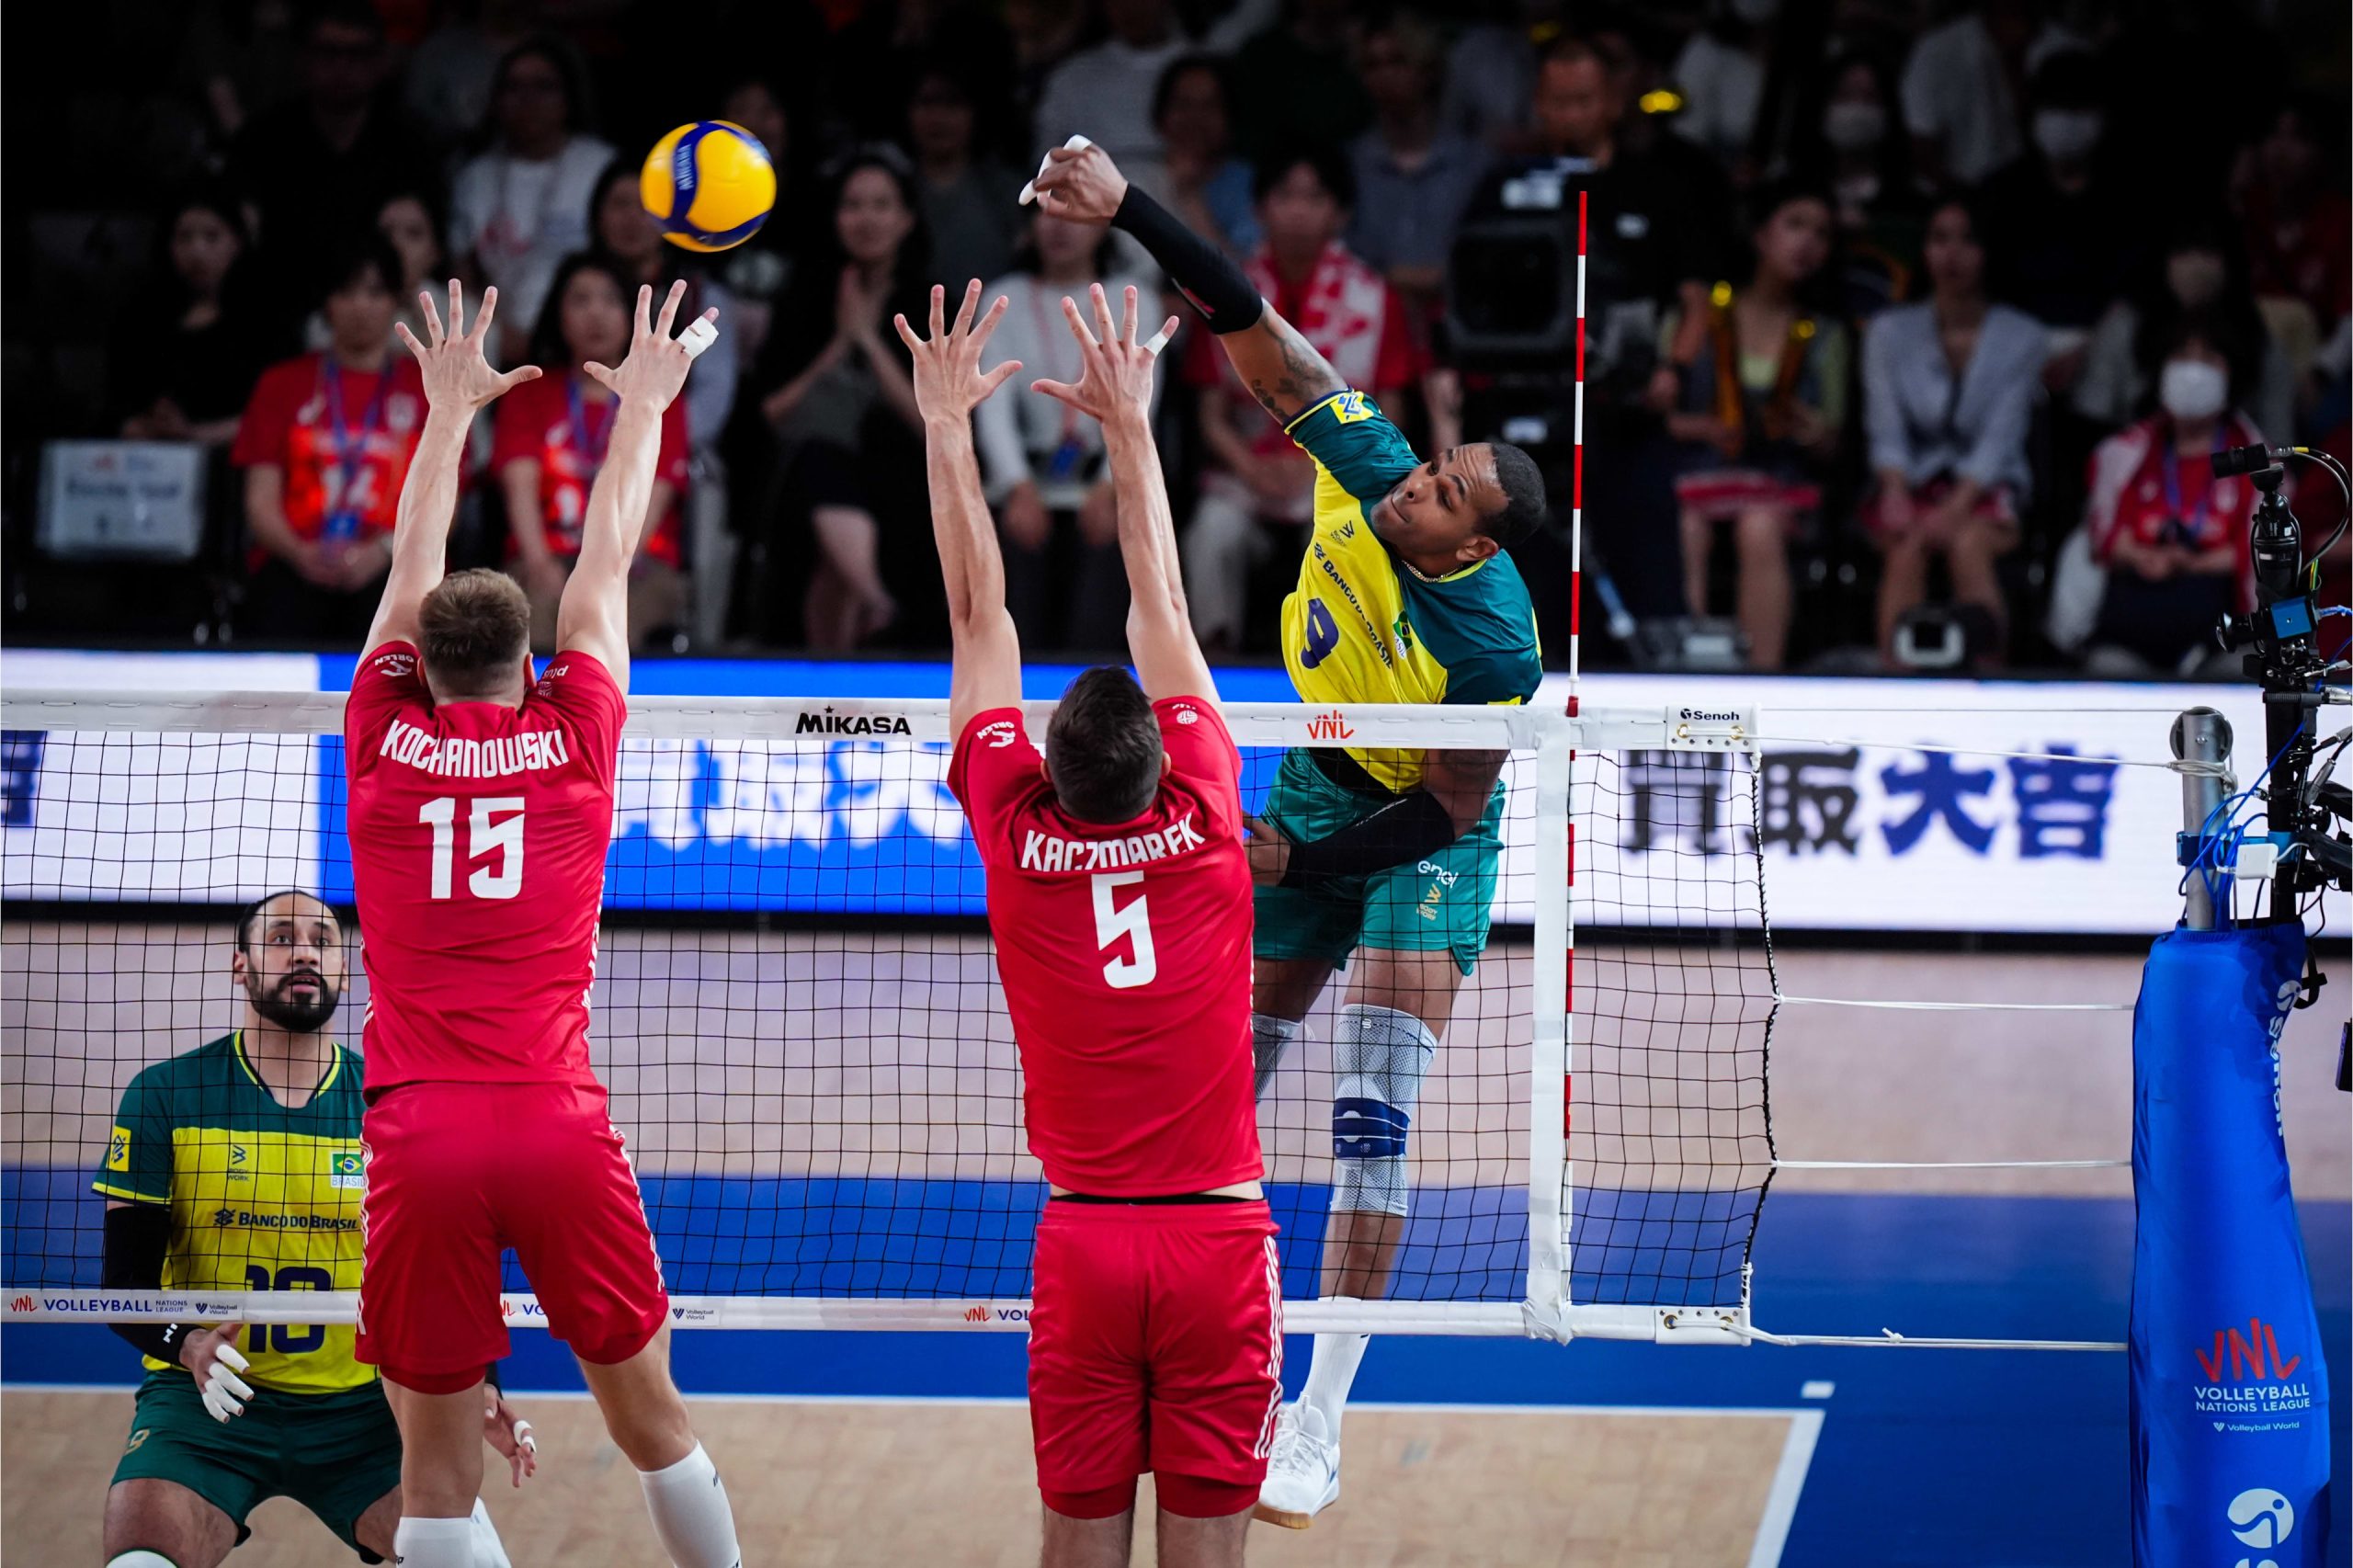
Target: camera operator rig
{"x":2305,"y":850}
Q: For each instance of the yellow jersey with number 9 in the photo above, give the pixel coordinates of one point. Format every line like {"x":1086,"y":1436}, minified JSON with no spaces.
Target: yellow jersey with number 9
{"x":1364,"y":626}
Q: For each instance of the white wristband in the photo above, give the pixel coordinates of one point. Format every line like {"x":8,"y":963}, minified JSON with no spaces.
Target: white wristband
{"x":1029,"y":190}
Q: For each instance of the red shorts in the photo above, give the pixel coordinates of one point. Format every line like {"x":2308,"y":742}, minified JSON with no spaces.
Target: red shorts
{"x":1156,"y":1343}
{"x":458,"y":1171}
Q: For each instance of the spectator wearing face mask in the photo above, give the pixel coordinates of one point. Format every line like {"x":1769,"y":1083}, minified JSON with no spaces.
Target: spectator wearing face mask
{"x":1878,"y":214}
{"x":2201,"y":271}
{"x":2058,"y":232}
{"x":2169,"y":539}
{"x":1963,"y":83}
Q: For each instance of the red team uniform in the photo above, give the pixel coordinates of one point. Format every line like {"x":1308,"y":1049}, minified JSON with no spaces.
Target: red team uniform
{"x":553,"y":423}
{"x":344,"y":438}
{"x":1155,"y":1340}
{"x":478,"y":841}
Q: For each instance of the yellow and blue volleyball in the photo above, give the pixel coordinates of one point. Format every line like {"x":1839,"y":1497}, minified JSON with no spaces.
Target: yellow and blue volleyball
{"x":707,"y":185}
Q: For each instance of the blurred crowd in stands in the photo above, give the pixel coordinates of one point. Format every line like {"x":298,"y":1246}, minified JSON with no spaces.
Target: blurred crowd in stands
{"x":1910,"y":328}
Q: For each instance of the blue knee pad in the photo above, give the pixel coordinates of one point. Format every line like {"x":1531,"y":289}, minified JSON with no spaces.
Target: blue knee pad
{"x":1379,"y":1059}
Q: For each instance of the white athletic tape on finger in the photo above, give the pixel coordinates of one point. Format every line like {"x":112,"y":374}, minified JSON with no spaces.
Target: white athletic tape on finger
{"x":1029,"y":190}
{"x":700,"y":335}
{"x":1155,"y":343}
{"x":523,"y":1437}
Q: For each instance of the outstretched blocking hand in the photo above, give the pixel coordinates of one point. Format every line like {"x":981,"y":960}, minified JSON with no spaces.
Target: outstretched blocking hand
{"x":1115,"y":370}
{"x":457,"y":375}
{"x":1080,"y":184}
{"x":655,"y":371}
{"x":949,"y":381}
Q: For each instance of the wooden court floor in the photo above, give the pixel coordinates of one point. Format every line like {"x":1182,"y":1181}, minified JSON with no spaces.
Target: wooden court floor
{"x":850,"y":1483}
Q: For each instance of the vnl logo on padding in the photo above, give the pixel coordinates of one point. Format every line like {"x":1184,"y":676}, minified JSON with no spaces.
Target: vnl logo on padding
{"x":2261,"y":1518}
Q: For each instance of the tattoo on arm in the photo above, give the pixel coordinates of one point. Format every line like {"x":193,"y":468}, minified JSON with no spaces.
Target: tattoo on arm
{"x":1302,"y":376}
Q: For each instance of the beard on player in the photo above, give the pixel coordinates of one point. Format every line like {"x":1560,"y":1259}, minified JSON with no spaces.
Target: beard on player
{"x":302,"y":1000}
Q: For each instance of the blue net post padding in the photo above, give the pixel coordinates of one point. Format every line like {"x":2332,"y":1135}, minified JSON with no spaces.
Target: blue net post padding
{"x":2229,"y":1396}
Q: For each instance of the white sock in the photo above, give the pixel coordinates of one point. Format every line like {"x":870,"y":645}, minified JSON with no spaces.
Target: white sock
{"x":1331,"y":1371}
{"x":489,"y":1551}
{"x":691,"y":1518}
{"x":141,"y":1559}
{"x":433,"y":1543}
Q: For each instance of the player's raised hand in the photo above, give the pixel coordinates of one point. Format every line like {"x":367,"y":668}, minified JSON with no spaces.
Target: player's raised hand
{"x":211,"y":1357}
{"x":509,"y":1434}
{"x":1081,"y":184}
{"x":949,"y":383}
{"x":1115,"y":370}
{"x":457,"y":375}
{"x":655,"y":371}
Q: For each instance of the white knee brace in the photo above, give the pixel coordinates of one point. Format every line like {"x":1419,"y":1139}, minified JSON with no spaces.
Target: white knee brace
{"x":1379,"y":1059}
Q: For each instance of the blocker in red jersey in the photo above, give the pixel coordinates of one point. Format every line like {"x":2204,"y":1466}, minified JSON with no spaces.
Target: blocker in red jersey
{"x":1120,"y":898}
{"x":480,"y":810}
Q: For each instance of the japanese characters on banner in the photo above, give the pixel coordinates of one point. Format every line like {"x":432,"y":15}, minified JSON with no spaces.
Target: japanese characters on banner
{"x":1938,"y":806}
{"x":2044,"y":816}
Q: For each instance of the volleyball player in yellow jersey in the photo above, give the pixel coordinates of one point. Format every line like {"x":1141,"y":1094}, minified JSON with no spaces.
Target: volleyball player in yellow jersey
{"x":1404,"y":595}
{"x":237,"y":1166}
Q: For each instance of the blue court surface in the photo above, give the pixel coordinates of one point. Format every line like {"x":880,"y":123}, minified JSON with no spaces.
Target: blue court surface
{"x":1943,"y":1458}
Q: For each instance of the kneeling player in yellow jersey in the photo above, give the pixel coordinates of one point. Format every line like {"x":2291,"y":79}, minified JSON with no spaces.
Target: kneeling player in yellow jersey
{"x":237,"y":1166}
{"x":1404,"y":595}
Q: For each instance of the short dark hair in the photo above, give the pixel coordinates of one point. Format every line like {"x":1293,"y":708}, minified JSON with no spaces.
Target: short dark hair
{"x":361,"y":250}
{"x":472,"y":628}
{"x":247,"y":915}
{"x":1329,"y":165}
{"x":1104,"y":748}
{"x":1523,"y":487}
{"x":1177,"y":70}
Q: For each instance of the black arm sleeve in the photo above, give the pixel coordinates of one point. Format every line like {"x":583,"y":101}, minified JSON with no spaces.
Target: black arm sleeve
{"x":1221,"y":291}
{"x":137,"y":1236}
{"x":1407,"y":828}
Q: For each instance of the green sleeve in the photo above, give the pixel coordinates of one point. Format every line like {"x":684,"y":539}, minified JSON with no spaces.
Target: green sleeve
{"x":138,"y":1163}
{"x":1347,"y":434}
{"x":1505,"y":676}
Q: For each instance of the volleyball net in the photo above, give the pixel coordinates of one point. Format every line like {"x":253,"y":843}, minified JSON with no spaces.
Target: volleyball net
{"x":797,"y":1013}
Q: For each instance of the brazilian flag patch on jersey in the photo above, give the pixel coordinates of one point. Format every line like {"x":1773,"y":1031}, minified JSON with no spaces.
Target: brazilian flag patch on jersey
{"x":345,"y":1170}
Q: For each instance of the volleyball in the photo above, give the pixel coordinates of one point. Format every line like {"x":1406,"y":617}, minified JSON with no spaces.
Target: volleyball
{"x":709,"y":185}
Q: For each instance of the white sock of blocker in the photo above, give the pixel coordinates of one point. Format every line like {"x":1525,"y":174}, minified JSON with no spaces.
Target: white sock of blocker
{"x":433,"y":1543}
{"x":489,"y":1551}
{"x":1331,"y":1371}
{"x":691,"y":1518}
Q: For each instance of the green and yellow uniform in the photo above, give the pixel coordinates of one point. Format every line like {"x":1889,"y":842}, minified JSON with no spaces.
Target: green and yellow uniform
{"x":1364,"y":626}
{"x":263,"y":1197}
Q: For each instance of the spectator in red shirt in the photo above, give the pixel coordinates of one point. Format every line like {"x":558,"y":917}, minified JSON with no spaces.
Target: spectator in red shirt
{"x":550,"y":441}
{"x":325,"y":442}
{"x":2172,"y":537}
{"x":1257,"y":484}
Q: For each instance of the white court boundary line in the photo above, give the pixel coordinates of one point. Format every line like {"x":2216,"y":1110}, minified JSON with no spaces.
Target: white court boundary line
{"x":1773,"y":1520}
